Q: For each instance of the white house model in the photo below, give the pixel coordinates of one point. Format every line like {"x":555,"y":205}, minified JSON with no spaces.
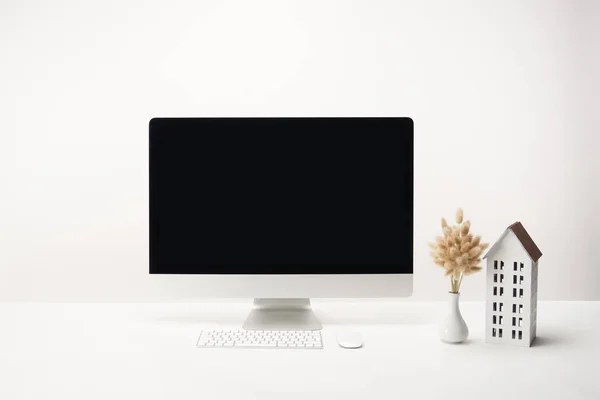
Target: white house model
{"x":512,"y":281}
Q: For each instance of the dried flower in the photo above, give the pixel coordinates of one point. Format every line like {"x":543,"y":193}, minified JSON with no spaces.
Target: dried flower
{"x":455,"y":232}
{"x":466,"y":239}
{"x":464,"y":229}
{"x":457,"y":251}
{"x":459,"y":216}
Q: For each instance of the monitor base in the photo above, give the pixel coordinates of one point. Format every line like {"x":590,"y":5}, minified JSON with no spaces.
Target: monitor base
{"x":282,"y":314}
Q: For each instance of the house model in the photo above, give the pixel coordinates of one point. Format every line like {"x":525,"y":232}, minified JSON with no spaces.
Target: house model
{"x":512,"y":281}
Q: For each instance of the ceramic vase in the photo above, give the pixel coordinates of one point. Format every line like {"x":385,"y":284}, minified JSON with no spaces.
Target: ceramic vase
{"x":453,"y":328}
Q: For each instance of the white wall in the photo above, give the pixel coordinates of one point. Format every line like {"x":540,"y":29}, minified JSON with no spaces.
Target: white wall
{"x":504,"y":96}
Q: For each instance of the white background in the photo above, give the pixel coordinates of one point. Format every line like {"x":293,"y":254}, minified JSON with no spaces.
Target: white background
{"x":504,"y":96}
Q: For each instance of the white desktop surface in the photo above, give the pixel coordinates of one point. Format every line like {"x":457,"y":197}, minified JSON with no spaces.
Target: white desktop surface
{"x":147,"y":351}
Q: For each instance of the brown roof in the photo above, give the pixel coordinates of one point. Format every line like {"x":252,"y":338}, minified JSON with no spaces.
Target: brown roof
{"x":530,"y":247}
{"x":526,"y":240}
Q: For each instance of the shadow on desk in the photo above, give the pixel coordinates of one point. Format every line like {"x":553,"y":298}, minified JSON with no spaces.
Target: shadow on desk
{"x":326,"y":316}
{"x":549,"y":341}
{"x":377,"y":318}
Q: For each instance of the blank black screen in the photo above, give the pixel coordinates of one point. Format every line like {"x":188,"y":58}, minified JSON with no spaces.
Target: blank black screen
{"x":281,"y":195}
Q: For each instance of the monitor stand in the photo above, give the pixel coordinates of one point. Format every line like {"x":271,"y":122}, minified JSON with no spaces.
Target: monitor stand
{"x":282,"y":314}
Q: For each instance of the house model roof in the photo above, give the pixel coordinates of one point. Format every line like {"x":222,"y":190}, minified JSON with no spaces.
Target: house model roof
{"x":519,"y":230}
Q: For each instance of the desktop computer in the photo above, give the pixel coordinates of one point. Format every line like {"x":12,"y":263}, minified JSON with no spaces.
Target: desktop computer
{"x":284,"y":210}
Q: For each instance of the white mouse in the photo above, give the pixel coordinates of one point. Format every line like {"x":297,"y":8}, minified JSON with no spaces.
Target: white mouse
{"x":349,"y":340}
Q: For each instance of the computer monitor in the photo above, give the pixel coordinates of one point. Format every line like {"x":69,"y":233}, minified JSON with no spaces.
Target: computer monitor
{"x":284,"y":209}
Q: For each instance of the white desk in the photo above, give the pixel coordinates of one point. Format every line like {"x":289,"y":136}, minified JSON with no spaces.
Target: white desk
{"x":147,"y":351}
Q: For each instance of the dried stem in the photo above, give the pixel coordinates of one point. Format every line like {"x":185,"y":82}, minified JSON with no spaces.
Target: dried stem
{"x":455,"y":281}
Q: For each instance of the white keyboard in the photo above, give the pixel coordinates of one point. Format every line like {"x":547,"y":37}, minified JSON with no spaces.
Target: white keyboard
{"x":239,"y":338}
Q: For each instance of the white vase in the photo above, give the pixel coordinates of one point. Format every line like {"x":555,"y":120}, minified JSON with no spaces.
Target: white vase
{"x":453,"y":328}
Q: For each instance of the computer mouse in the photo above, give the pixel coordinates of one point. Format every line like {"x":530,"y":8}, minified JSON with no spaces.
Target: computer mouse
{"x":349,"y":340}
